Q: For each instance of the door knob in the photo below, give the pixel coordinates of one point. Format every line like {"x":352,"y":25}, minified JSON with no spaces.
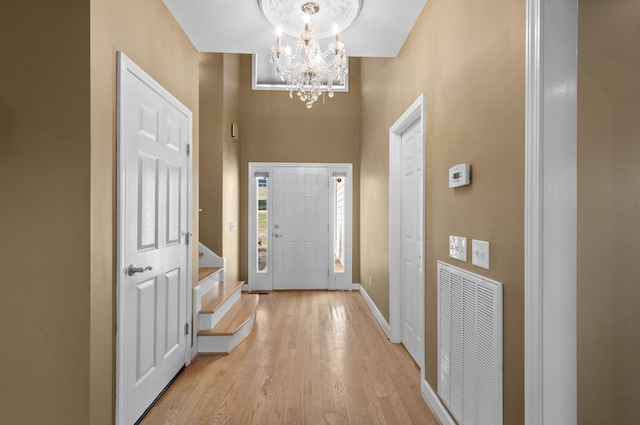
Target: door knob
{"x":133,"y":269}
{"x":277,"y":235}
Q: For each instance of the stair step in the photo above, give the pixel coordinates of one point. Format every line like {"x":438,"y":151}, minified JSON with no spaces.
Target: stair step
{"x":214,"y":298}
{"x":241,"y":313}
{"x":205,"y":272}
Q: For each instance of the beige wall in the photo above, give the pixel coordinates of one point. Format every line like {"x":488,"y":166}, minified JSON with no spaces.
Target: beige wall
{"x":146,"y":32}
{"x":57,"y":169}
{"x":276,"y":128}
{"x":219,"y":156}
{"x":211,"y":157}
{"x":608,"y":212}
{"x":231,"y":167}
{"x":44,"y":212}
{"x":468,"y":58}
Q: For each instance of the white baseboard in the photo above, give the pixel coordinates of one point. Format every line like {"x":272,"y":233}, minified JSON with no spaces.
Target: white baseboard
{"x":355,"y":287}
{"x":435,"y":404}
{"x":383,"y":323}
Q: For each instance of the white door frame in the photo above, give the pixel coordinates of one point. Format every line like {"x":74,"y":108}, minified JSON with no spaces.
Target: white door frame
{"x":263,"y":281}
{"x":550,"y":212}
{"x":127,"y":65}
{"x":417,"y":111}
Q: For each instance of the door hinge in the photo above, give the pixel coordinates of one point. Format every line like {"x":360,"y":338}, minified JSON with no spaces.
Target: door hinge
{"x":188,"y":150}
{"x":186,"y":329}
{"x":187,"y":237}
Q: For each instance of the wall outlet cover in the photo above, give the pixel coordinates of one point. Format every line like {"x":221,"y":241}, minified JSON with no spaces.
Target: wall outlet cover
{"x":458,"y":248}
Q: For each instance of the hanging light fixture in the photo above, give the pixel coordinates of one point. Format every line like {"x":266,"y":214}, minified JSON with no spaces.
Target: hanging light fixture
{"x":308,"y":70}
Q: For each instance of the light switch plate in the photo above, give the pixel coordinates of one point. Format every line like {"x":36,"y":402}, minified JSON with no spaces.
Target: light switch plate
{"x":458,"y":248}
{"x":480,"y":253}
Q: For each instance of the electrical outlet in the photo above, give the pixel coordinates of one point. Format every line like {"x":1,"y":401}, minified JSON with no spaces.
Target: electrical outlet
{"x":458,"y":248}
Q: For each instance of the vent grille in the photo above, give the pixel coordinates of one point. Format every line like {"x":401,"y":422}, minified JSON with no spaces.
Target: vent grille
{"x":470,"y":346}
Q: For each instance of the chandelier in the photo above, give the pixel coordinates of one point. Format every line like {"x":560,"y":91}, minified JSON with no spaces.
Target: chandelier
{"x":308,"y":70}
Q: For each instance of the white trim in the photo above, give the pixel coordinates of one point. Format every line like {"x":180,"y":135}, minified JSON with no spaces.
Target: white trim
{"x":415,"y":112}
{"x":190,"y":247}
{"x":124,"y":65}
{"x":376,"y":313}
{"x":532,"y":272}
{"x":550,"y":212}
{"x":355,"y":287}
{"x":432,"y":399}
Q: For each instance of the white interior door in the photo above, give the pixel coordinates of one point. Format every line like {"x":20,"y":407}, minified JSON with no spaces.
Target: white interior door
{"x":154,"y":131}
{"x":300,"y":228}
{"x":412,"y":204}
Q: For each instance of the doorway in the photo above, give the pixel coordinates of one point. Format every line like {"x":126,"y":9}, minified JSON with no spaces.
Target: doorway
{"x":406,"y":230}
{"x":300,"y":223}
{"x":300,"y":226}
{"x":154,"y":257}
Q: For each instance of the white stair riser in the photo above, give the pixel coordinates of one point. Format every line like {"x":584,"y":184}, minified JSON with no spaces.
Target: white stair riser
{"x":224,"y":343}
{"x":198,"y":292}
{"x":208,"y":321}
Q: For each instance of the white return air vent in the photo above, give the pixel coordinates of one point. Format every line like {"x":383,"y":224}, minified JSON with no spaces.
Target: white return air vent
{"x":470,"y":346}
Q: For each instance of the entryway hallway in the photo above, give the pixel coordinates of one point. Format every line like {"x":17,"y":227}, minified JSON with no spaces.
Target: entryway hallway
{"x":313,"y":357}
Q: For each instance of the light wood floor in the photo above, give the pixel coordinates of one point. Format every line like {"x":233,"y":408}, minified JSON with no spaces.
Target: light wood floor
{"x":313,"y":357}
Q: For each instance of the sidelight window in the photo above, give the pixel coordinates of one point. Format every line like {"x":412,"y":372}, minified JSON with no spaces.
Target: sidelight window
{"x":339,"y":224}
{"x":262,"y":218}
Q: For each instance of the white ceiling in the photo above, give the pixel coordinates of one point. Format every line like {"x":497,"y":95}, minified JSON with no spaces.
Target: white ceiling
{"x":238,"y":26}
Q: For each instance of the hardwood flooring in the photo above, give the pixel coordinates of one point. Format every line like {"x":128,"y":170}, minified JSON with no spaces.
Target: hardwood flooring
{"x":313,"y":357}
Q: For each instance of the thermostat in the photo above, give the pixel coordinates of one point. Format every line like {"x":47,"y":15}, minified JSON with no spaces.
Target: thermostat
{"x":460,"y":175}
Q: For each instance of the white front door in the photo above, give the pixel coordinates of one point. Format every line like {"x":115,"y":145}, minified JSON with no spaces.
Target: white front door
{"x":412,"y":195}
{"x":154,"y":131}
{"x":300,"y":228}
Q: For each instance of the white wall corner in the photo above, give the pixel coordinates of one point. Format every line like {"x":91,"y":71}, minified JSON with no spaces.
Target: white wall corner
{"x":550,"y":212}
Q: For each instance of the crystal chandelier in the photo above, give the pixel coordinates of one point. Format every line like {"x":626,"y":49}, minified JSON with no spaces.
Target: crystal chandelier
{"x":307,"y":70}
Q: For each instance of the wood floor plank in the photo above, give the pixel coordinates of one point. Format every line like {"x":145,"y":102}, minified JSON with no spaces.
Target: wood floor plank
{"x":313,"y":357}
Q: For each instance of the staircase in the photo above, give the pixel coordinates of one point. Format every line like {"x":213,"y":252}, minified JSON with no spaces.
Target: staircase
{"x":223,"y":315}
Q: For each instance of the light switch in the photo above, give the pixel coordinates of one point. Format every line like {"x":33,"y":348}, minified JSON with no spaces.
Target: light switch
{"x":480,"y":253}
{"x":458,"y":248}
{"x":232,"y":226}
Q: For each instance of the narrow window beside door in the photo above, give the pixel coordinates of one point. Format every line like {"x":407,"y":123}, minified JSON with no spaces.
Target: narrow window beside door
{"x":263,"y":222}
{"x":339,"y":225}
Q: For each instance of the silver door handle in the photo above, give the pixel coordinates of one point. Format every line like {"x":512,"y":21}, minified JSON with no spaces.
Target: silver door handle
{"x":277,"y":235}
{"x":133,"y":269}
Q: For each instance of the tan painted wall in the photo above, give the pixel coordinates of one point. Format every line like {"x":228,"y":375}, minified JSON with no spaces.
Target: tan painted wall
{"x":469,"y":60}
{"x":608,"y":212}
{"x":150,"y":36}
{"x":211,"y":157}
{"x":231,"y":167}
{"x":44,"y":212}
{"x":220,"y":156}
{"x":276,"y":128}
